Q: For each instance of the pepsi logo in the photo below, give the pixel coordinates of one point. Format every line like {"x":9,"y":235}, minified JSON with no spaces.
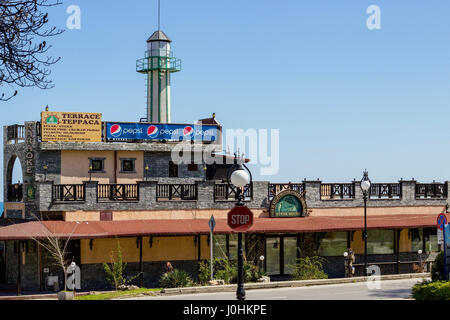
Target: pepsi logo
{"x":188,"y":131}
{"x":115,"y":130}
{"x":152,"y":131}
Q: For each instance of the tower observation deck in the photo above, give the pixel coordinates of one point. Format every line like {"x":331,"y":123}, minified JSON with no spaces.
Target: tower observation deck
{"x":158,"y":64}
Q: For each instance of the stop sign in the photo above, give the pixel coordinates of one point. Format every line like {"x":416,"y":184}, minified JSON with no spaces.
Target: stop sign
{"x":240,"y":218}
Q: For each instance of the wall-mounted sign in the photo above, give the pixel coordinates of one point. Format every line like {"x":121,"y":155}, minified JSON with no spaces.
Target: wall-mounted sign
{"x":71,"y":126}
{"x":29,"y":147}
{"x":288,"y":203}
{"x":30,"y":192}
{"x":160,"y":131}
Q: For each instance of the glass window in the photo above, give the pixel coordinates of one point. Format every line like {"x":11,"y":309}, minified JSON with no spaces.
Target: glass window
{"x":380,"y":241}
{"x":96,"y":165}
{"x":431,"y":244}
{"x":220,"y":246}
{"x":290,"y":254}
{"x":333,"y":244}
{"x":273,"y":256}
{"x":416,"y":236}
{"x":127,"y":165}
{"x":232,"y":246}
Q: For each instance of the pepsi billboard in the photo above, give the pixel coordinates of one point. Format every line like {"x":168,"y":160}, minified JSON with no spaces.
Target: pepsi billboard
{"x":160,"y":131}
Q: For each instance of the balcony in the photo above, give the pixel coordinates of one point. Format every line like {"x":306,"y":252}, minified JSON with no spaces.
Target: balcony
{"x":337,"y":191}
{"x":431,"y":190}
{"x":223,"y":192}
{"x":386,"y":191}
{"x":117,"y":192}
{"x":16,"y":132}
{"x":275,"y":188}
{"x":68,"y":192}
{"x":177,"y":192}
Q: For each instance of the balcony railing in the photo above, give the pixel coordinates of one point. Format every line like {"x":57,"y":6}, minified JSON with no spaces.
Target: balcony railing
{"x":176,"y":192}
{"x":275,"y":188}
{"x":68,"y":192}
{"x":223,"y":192}
{"x":118,"y":192}
{"x":15,"y":193}
{"x":431,"y":190}
{"x":386,"y":191}
{"x":16,"y":132}
{"x":339,"y":191}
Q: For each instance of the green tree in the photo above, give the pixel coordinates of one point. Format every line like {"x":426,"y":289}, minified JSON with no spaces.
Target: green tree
{"x":115,"y":273}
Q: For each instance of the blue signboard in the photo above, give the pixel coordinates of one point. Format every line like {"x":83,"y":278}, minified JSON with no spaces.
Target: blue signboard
{"x":161,"y":131}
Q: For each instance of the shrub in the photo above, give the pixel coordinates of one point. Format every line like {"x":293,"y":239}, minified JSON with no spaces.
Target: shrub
{"x":437,"y":271}
{"x":115,"y":274}
{"x":426,"y":290}
{"x":308,"y":268}
{"x":176,"y":279}
{"x":226,"y":270}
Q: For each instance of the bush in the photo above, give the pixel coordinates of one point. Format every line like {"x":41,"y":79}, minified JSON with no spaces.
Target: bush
{"x":226,"y":270}
{"x":308,"y":268}
{"x":437,"y":271}
{"x":426,"y":290}
{"x":115,"y":274}
{"x":176,"y":279}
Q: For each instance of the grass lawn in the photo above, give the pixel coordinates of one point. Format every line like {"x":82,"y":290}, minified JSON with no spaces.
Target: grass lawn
{"x":116,"y":294}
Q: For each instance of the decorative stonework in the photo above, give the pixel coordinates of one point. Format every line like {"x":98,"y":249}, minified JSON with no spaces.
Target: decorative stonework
{"x":288,"y":204}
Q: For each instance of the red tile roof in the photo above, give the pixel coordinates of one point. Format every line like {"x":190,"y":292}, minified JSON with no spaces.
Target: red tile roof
{"x":129,"y":228}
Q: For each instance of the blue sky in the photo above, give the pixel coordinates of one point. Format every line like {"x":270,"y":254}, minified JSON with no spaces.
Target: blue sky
{"x":345,"y":98}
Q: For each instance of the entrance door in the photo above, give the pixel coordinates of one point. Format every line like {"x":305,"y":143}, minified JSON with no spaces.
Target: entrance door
{"x":281,"y":254}
{"x":273,"y":256}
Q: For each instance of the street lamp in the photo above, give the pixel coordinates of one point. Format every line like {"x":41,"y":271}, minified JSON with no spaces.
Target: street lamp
{"x":146,"y":171}
{"x":365,"y":187}
{"x":90,"y":172}
{"x":239,"y":181}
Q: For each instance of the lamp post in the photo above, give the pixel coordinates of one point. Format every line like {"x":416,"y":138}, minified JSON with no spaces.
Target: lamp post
{"x":146,"y":171}
{"x":90,"y":172}
{"x":239,"y":181}
{"x":365,"y":187}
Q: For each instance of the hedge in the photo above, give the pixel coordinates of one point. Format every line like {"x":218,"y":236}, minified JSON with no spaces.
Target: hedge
{"x":438,"y":290}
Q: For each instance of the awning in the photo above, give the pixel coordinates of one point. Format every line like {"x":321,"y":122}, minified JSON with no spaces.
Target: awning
{"x":131,"y":228}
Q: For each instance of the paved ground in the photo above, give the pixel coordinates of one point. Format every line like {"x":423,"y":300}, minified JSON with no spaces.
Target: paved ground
{"x":390,"y":289}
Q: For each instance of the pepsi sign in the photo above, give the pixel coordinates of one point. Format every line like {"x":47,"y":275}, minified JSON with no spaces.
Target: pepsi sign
{"x":160,"y":131}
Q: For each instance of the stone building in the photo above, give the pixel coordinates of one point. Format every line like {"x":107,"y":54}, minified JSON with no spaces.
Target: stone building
{"x":129,"y":190}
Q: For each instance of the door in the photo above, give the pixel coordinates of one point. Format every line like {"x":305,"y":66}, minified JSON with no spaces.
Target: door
{"x":281,"y":252}
{"x":273,"y":246}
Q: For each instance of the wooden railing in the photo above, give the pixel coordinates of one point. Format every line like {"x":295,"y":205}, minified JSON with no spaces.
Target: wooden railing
{"x":431,"y":190}
{"x":176,"y":192}
{"x":118,"y":192}
{"x":386,"y":191}
{"x":337,"y":191}
{"x":68,"y":192}
{"x":223,"y":192}
{"x":275,"y":188}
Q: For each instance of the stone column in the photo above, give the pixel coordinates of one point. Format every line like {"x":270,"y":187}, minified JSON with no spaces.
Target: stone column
{"x":312,"y":195}
{"x":90,"y":195}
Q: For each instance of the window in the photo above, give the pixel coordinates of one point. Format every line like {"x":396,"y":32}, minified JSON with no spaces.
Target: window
{"x":97,"y":164}
{"x":380,"y":241}
{"x":431,"y":244}
{"x":416,"y":236}
{"x":232,"y":246}
{"x":173,"y":170}
{"x":127,"y":166}
{"x":220,"y":246}
{"x":333,"y":244}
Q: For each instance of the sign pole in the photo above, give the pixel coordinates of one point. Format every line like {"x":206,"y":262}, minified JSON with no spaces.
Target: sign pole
{"x":445,"y":254}
{"x":211,"y":253}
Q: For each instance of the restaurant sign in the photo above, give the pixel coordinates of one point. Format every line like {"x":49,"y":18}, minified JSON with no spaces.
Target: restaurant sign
{"x":71,"y":126}
{"x":287,"y":204}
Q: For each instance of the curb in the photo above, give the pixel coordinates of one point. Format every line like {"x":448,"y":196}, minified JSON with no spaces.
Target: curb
{"x":287,"y":284}
{"x":49,"y":296}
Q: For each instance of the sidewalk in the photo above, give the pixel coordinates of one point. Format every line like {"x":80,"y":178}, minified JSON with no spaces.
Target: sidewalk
{"x":232,"y":287}
{"x":286,"y":284}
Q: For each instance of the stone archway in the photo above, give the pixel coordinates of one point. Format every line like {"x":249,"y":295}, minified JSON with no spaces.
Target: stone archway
{"x":9,"y":170}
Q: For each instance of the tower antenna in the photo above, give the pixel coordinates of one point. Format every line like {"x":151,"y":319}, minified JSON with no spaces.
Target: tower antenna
{"x":159,"y":15}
